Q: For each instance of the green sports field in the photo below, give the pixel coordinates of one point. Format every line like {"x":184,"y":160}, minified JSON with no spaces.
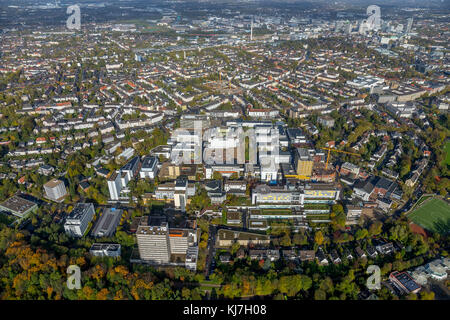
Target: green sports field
{"x":434,"y":215}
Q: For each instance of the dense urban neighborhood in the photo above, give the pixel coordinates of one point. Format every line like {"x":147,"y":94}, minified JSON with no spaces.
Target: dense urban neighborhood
{"x":205,"y":151}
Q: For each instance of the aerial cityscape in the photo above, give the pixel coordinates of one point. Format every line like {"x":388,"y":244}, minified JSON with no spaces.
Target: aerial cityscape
{"x":216,"y":150}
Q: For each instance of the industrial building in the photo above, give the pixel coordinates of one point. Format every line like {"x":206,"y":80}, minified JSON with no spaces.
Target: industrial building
{"x":107,"y":223}
{"x":18,"y":206}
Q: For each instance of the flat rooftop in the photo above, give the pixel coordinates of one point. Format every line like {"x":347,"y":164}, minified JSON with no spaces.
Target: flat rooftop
{"x":105,"y":246}
{"x":151,"y":230}
{"x":79,"y":211}
{"x":108,"y":222}
{"x":148,"y":162}
{"x":225,"y":234}
{"x":113,"y":176}
{"x":53,"y":183}
{"x":405,"y":279}
{"x":178,"y":233}
{"x":17,"y":205}
{"x":130,"y":164}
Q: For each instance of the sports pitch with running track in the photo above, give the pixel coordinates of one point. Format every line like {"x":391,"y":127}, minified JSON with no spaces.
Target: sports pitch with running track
{"x":433,"y":215}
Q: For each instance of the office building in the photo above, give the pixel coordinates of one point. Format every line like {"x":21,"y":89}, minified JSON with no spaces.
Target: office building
{"x":160,"y":245}
{"x":55,"y":190}
{"x":404,"y":282}
{"x":178,"y":241}
{"x":178,"y":192}
{"x":153,"y":243}
{"x":131,"y":168}
{"x":78,"y":220}
{"x":149,"y":168}
{"x":325,"y":193}
{"x":191,"y":258}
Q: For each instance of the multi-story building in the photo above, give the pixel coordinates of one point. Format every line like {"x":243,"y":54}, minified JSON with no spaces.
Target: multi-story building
{"x":353,"y":214}
{"x":118,"y":180}
{"x":78,"y":220}
{"x":55,"y":190}
{"x":160,"y":245}
{"x":290,"y":195}
{"x":153,"y":243}
{"x":178,"y":191}
{"x":131,"y":168}
{"x":178,"y":241}
{"x":114,"y":185}
{"x":149,"y":167}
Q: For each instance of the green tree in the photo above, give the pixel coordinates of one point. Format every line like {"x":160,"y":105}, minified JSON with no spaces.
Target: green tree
{"x":319,"y":238}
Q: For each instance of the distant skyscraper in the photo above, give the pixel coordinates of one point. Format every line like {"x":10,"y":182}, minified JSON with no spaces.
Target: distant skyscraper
{"x":138,"y":57}
{"x":55,"y":190}
{"x":348,"y":28}
{"x":251,"y":30}
{"x":363,"y":27}
{"x":409,"y":25}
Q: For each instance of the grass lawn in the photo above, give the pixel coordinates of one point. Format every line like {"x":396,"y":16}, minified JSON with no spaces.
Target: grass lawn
{"x":422,"y":199}
{"x":447,"y":151}
{"x":433,"y":215}
{"x":276,"y":211}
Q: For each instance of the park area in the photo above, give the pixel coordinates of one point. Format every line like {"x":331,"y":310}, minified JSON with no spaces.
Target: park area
{"x":433,"y":215}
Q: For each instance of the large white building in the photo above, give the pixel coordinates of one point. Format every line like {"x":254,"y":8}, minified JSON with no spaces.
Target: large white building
{"x":161,"y":245}
{"x":114,"y":185}
{"x":118,"y":180}
{"x":149,"y":167}
{"x":78,"y":220}
{"x":153,"y":243}
{"x":309,"y":193}
{"x":55,"y":190}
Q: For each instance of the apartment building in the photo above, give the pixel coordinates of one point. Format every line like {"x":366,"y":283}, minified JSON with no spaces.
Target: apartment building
{"x":55,"y":190}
